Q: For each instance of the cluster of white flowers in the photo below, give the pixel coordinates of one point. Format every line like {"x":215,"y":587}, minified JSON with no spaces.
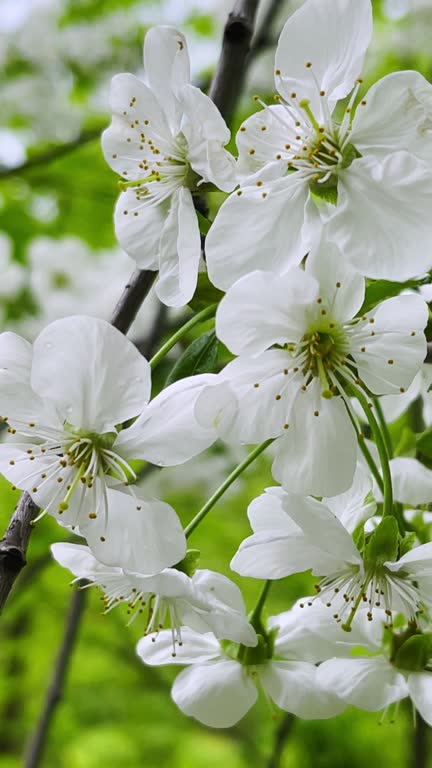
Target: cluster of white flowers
{"x":330,"y":190}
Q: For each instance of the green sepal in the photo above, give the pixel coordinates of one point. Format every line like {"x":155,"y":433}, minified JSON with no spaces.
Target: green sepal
{"x":378,"y":290}
{"x":383,"y":543}
{"x":407,"y":543}
{"x":205,"y":294}
{"x":200,"y":357}
{"x":350,"y":154}
{"x":327,"y":191}
{"x":358,"y":536}
{"x":190,"y":562}
{"x":414,"y":653}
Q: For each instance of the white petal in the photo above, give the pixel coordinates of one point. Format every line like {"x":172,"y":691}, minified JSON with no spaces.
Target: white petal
{"x":261,"y":228}
{"x":262,"y":309}
{"x":388,"y":360}
{"x":333,"y":36}
{"x":340,"y":287}
{"x":412,"y":481}
{"x":142,"y":535}
{"x":180,"y":252}
{"x":80,"y":561}
{"x":267,"y":512}
{"x":417,"y":561}
{"x":226,"y":616}
{"x":217,"y":694}
{"x":397,"y":115}
{"x":195,"y":648}
{"x":350,"y":507}
{"x":265,"y":133}
{"x":387,"y":246}
{"x":262,"y":411}
{"x":15,"y":357}
{"x":317,"y":454}
{"x":138,"y":228}
{"x":167,"y":433}
{"x":309,"y":632}
{"x":371,"y":684}
{"x":94,"y":374}
{"x":420,"y":690}
{"x":294,"y":686}
{"x":166,"y":62}
{"x":394,"y":406}
{"x":271,"y":555}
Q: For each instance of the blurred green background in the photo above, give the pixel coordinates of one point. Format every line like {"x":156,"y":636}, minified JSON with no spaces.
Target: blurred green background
{"x":58,"y":256}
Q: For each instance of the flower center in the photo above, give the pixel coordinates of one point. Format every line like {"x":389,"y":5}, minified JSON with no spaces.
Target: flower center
{"x":322,"y":351}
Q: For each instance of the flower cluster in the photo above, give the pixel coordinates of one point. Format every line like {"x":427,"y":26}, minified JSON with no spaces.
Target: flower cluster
{"x":326,"y":203}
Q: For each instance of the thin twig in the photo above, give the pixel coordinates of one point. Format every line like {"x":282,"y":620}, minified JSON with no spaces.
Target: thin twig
{"x":282,"y":732}
{"x":262,"y":38}
{"x":229,"y":76}
{"x":54,"y":153}
{"x":37,"y":744}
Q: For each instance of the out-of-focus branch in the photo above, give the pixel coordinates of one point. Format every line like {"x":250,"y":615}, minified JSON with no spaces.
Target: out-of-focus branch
{"x":228,"y":79}
{"x":283,"y":731}
{"x":420,"y":743}
{"x":36,"y":747}
{"x":428,"y":358}
{"x":51,"y":154}
{"x":262,"y":37}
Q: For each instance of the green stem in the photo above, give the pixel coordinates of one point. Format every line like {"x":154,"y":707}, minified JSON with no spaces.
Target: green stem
{"x":255,"y":617}
{"x":225,"y":485}
{"x":366,"y":453}
{"x":205,"y":314}
{"x":382,"y":452}
{"x":384,"y":428}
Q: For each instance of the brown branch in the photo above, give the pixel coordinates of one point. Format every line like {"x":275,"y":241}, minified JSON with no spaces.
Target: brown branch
{"x":55,"y":692}
{"x":228,"y":79}
{"x":13,"y":546}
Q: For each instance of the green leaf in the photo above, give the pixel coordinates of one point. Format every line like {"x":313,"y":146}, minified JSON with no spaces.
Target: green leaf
{"x":205,"y":294}
{"x":204,"y":223}
{"x":414,"y":654}
{"x":383,"y":543}
{"x":378,"y":290}
{"x":199,"y":357}
{"x":424,"y":443}
{"x":407,"y":443}
{"x":407,"y":544}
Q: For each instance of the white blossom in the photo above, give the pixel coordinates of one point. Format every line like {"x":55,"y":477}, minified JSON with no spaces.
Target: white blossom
{"x":300,"y":341}
{"x":166,"y":139}
{"x":304,"y":170}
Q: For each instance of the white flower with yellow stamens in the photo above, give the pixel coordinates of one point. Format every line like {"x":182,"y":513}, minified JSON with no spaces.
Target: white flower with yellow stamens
{"x":166,"y":139}
{"x":65,"y":401}
{"x":300,"y":343}
{"x":303,"y":167}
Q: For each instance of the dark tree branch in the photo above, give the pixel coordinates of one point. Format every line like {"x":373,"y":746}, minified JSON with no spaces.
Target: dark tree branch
{"x":13,"y":546}
{"x":281,"y":734}
{"x":132,"y":298}
{"x":228,"y":79}
{"x":55,"y":692}
{"x":263,"y":35}
{"x":428,"y":358}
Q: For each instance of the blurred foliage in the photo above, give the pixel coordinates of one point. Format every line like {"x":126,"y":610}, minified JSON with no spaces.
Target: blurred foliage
{"x":116,"y":712}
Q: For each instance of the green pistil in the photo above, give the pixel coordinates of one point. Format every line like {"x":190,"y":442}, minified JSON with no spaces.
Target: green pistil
{"x":346,"y":626}
{"x":326,"y":392}
{"x":139,"y":182}
{"x":305,"y":105}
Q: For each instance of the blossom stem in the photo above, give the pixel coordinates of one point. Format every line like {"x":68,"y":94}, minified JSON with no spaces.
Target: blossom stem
{"x":205,"y":314}
{"x":382,"y":452}
{"x":366,"y":453}
{"x":255,"y":617}
{"x":384,"y":428}
{"x":225,"y":485}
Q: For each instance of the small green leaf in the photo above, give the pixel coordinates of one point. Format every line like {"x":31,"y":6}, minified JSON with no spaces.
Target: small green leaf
{"x":414,"y":654}
{"x":424,"y":443}
{"x":200,"y":357}
{"x":378,"y":290}
{"x":205,"y":294}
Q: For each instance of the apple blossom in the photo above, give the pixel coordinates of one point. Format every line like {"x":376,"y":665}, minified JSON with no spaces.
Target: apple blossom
{"x":205,"y":601}
{"x":64,"y":401}
{"x":220,"y":685}
{"x":301,"y":344}
{"x":166,"y":139}
{"x":304,"y":170}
